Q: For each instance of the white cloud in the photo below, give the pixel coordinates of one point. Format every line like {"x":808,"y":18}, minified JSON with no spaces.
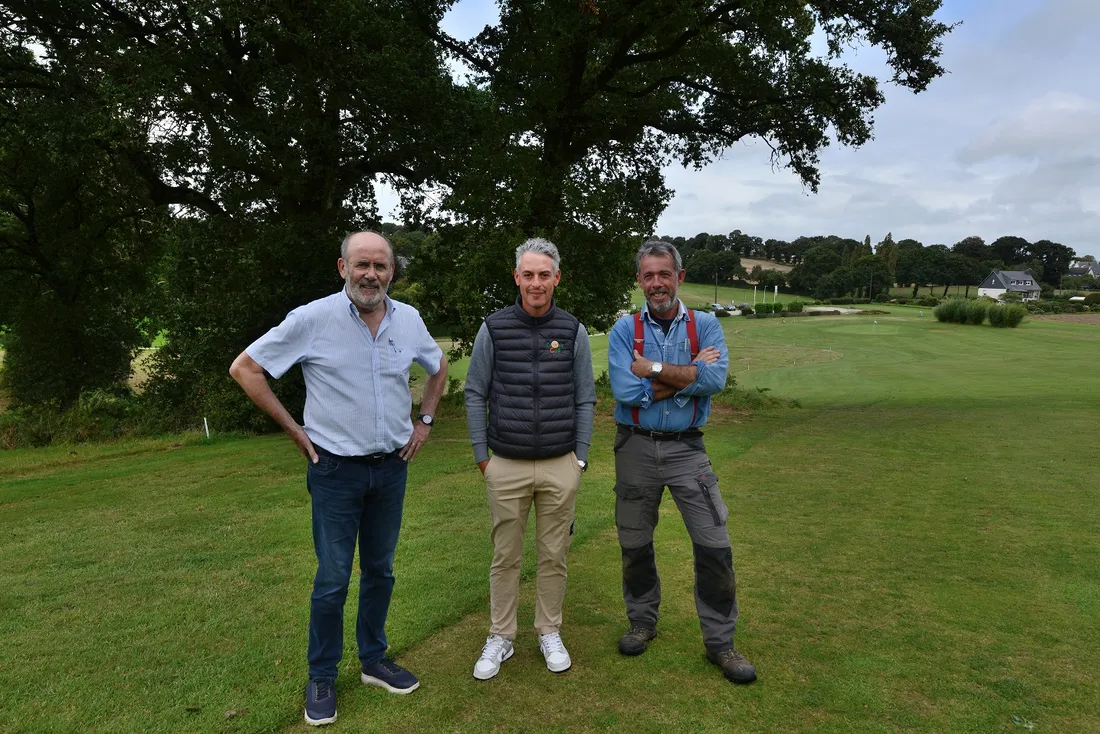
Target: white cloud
{"x":1054,"y":123}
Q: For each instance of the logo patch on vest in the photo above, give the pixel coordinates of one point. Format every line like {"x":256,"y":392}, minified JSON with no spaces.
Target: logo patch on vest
{"x":554,"y":346}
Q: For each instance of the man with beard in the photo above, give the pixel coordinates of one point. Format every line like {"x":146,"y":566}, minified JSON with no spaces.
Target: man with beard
{"x":355,"y":348}
{"x":665,"y":362}
{"x":530,"y":397}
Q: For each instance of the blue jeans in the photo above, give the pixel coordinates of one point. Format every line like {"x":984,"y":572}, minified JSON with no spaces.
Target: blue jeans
{"x":352,"y":500}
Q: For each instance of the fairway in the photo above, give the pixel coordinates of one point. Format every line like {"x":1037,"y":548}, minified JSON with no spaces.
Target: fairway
{"x":916,"y":550}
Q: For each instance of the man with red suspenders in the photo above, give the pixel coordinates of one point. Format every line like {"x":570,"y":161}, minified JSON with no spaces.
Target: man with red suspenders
{"x":665,"y":362}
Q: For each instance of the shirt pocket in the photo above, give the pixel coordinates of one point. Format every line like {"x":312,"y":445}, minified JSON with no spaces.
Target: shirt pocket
{"x":396,"y":359}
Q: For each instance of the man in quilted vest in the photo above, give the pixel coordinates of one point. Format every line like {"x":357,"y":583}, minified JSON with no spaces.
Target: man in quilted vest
{"x":530,"y":399}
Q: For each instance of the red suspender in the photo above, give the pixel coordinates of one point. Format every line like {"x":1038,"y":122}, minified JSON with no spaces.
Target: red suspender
{"x":693,"y":346}
{"x":639,"y":346}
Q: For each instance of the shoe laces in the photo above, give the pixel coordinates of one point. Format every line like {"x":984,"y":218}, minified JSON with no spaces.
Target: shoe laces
{"x":494,"y":646}
{"x":323,"y":688}
{"x":552,"y":643}
{"x":638,"y":632}
{"x":390,"y":666}
{"x":731,"y":655}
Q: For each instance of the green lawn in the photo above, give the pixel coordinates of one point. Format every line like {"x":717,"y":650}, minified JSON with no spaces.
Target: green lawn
{"x":916,"y":550}
{"x":701,"y":295}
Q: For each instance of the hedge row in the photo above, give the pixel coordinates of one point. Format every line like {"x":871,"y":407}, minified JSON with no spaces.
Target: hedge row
{"x":976,"y":311}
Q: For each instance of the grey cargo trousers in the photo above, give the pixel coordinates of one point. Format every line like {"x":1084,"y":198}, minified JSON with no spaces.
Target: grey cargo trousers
{"x":644,"y":466}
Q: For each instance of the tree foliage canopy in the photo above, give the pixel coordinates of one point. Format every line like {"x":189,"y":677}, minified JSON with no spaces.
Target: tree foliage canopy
{"x":262,"y":126}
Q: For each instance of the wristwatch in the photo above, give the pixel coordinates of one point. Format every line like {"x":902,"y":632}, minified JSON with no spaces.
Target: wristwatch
{"x":583,"y":465}
{"x":425,"y":419}
{"x":655,"y":368}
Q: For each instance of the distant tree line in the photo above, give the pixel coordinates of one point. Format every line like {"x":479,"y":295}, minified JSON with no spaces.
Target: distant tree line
{"x":830,"y":266}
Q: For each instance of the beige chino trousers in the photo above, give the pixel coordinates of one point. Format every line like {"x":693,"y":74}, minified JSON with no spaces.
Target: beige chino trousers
{"x":513,"y":486}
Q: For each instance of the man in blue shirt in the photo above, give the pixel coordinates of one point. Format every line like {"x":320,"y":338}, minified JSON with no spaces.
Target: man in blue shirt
{"x":355,"y":348}
{"x":664,"y":366}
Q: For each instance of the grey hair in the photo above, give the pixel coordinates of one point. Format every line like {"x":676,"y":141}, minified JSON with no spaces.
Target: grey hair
{"x":539,"y":246}
{"x":660,"y":248}
{"x":347,"y":240}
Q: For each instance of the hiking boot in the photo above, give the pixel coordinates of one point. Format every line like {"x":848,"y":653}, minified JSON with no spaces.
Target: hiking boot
{"x":553,"y":649}
{"x":320,"y":702}
{"x":389,"y":675}
{"x":496,"y":651}
{"x":734,"y":665}
{"x":636,"y":640}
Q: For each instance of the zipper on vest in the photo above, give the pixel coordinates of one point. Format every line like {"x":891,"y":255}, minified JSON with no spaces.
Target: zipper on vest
{"x":538,"y":367}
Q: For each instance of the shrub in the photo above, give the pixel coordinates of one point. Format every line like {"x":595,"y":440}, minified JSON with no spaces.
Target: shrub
{"x":1092,"y":299}
{"x":747,"y":311}
{"x":976,"y":312}
{"x":997,"y":315}
{"x":928,"y":301}
{"x":778,"y":307}
{"x":882,"y":297}
{"x":1014,"y":315}
{"x":951,"y":311}
{"x":763,"y":308}
{"x":795,"y":306}
{"x":903,"y":301}
{"x":1007,"y":316}
{"x":96,"y":415}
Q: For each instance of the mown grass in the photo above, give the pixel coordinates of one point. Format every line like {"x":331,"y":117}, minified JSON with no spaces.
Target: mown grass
{"x":915,"y":547}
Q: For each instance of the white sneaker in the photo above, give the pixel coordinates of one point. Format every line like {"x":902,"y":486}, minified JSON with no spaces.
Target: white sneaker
{"x":553,"y":649}
{"x":496,"y":651}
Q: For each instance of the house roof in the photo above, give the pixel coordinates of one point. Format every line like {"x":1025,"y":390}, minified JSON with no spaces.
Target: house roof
{"x":1004,"y":278}
{"x":1081,"y":267}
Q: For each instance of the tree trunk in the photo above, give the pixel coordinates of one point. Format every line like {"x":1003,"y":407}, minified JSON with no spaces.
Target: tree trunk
{"x":916,"y":287}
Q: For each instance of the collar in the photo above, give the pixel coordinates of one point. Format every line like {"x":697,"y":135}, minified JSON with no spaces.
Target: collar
{"x":354,"y":310}
{"x":681,"y":313}
{"x":530,"y":320}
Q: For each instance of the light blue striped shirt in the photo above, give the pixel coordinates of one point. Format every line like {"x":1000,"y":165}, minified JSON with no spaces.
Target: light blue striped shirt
{"x":357,"y":385}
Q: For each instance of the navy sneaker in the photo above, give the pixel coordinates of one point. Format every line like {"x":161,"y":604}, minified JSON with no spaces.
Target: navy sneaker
{"x":320,"y":702}
{"x":389,"y":675}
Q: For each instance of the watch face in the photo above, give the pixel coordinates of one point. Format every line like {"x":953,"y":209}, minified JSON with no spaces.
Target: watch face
{"x":427,"y":420}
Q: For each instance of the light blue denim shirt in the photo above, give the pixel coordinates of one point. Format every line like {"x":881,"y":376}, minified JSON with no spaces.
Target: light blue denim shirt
{"x":357,"y":385}
{"x":675,"y":413}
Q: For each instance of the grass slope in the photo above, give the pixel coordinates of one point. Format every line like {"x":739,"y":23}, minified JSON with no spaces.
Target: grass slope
{"x":916,"y":551}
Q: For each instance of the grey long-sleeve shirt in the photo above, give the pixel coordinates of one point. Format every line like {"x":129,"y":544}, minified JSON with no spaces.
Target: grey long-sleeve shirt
{"x":479,"y":377}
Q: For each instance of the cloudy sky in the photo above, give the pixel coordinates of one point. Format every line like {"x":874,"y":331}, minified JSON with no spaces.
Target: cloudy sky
{"x":1008,"y":142}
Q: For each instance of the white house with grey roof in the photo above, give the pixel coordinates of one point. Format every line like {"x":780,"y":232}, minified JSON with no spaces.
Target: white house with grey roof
{"x":999,"y":282}
{"x":1080,"y":268}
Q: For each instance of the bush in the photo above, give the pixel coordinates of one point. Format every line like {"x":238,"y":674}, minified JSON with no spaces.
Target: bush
{"x":951,"y":311}
{"x":903,"y":301}
{"x":976,"y":312}
{"x":882,"y":297}
{"x":763,"y":308}
{"x":795,"y":306}
{"x":747,"y":311}
{"x":928,"y":301}
{"x":778,"y":307}
{"x":96,"y":415}
{"x":1092,"y":299}
{"x":1007,"y":316}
